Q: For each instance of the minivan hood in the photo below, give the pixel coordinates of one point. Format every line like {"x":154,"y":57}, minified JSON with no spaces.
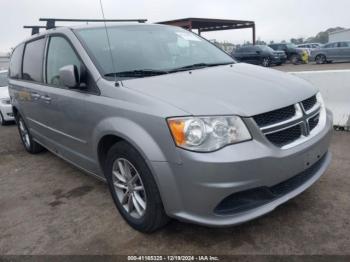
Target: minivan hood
{"x":240,"y":89}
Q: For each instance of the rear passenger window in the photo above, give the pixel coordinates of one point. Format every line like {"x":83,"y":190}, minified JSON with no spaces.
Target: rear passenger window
{"x":33,"y":60}
{"x":60,"y":54}
{"x":16,"y":62}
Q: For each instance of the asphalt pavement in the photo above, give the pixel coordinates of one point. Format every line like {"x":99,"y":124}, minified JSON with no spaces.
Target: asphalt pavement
{"x":47,"y":206}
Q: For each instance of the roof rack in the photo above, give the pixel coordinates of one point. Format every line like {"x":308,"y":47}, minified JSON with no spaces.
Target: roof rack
{"x":51,"y":22}
{"x":35,"y":28}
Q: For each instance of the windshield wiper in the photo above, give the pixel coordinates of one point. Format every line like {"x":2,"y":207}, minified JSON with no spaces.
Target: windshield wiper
{"x":199,"y":65}
{"x":138,"y":73}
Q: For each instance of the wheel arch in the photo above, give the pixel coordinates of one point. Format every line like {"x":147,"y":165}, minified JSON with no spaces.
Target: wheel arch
{"x":321,"y":54}
{"x":138,"y":138}
{"x":116,"y":129}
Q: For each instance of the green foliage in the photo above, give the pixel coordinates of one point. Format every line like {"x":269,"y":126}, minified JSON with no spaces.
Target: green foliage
{"x":322,"y":37}
{"x":297,"y":41}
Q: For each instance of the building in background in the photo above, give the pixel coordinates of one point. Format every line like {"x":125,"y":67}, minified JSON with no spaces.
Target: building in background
{"x":342,"y":35}
{"x":4,"y":60}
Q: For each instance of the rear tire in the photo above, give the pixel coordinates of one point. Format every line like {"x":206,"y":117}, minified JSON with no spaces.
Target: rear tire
{"x":27,"y":140}
{"x":134,"y":192}
{"x":294,"y":59}
{"x":320,"y":59}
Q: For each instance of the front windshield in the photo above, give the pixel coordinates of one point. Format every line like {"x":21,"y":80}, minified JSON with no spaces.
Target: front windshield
{"x":3,"y":79}
{"x":148,"y":47}
{"x":291,"y":45}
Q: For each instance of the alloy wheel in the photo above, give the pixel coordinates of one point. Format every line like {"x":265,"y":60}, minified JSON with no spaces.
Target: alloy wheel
{"x":320,"y":59}
{"x":24,"y":133}
{"x":266,"y":62}
{"x":129,"y":188}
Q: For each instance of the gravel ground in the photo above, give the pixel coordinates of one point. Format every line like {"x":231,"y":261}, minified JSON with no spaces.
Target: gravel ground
{"x":49,"y":207}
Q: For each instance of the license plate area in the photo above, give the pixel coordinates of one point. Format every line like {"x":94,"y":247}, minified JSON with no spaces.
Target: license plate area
{"x":312,"y":156}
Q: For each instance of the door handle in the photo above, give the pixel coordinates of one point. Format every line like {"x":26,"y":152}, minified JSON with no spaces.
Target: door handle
{"x":35,"y":96}
{"x":47,"y":99}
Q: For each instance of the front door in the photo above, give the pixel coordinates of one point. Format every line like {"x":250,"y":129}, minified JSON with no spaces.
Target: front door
{"x":70,"y":123}
{"x":344,"y":50}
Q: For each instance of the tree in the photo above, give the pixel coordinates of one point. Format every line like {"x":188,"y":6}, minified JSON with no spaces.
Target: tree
{"x":260,"y":42}
{"x":323,"y":36}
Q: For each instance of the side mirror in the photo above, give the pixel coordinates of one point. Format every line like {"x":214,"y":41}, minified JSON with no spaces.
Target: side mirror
{"x":69,"y":76}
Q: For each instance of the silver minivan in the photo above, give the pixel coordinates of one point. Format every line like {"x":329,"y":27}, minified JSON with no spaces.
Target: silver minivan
{"x":331,"y":52}
{"x":173,"y":124}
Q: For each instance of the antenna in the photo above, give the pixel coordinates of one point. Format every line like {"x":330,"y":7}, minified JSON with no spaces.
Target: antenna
{"x":109,"y":46}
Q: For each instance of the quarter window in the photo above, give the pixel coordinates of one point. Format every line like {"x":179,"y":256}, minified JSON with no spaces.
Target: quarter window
{"x":60,"y":54}
{"x":33,"y":60}
{"x":16,"y":62}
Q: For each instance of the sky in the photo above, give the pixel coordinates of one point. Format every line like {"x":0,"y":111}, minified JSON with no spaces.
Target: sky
{"x":275,"y":20}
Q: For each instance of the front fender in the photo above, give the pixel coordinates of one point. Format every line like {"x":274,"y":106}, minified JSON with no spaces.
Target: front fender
{"x":159,"y":149}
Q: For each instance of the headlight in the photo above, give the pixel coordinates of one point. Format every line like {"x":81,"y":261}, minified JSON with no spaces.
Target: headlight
{"x":323,"y":114}
{"x":321,"y":102}
{"x":6,"y":101}
{"x":207,"y":134}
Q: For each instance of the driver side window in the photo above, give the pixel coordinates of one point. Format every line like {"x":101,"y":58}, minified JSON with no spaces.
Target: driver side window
{"x":60,"y":54}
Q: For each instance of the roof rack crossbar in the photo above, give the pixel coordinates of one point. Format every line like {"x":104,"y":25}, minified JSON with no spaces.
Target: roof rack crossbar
{"x":35,"y":28}
{"x":51,"y":22}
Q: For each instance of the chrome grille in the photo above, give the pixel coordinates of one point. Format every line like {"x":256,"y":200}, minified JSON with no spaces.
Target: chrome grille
{"x":309,"y":103}
{"x":275,"y":116}
{"x":313,"y":121}
{"x":284,"y":126}
{"x":285,"y":136}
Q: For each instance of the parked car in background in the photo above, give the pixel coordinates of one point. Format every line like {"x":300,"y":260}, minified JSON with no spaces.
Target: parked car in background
{"x":6,"y":114}
{"x":294,"y":54}
{"x":335,"y":51}
{"x":259,"y":55}
{"x":310,"y":46}
{"x":175,"y":127}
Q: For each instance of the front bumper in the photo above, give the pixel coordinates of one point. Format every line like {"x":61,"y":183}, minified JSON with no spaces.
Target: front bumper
{"x":191,"y":191}
{"x":6,"y":111}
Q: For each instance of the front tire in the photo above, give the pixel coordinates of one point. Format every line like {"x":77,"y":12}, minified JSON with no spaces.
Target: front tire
{"x":27,"y":140}
{"x":266,"y":62}
{"x":321,"y":59}
{"x":294,"y":59}
{"x":133,"y":188}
